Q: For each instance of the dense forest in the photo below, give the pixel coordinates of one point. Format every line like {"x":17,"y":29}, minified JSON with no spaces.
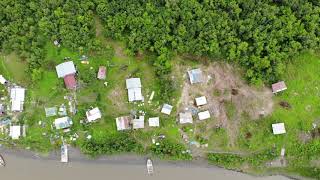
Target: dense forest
{"x":260,"y":35}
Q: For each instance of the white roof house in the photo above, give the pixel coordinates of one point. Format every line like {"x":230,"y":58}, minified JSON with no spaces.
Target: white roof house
{"x":15,"y":132}
{"x":204,"y":115}
{"x":166,"y":109}
{"x":65,"y":69}
{"x":123,"y":123}
{"x":200,"y":101}
{"x":195,"y":76}
{"x":185,"y":118}
{"x":2,"y":80}
{"x":154,"y":122}
{"x":134,"y":89}
{"x":138,"y":123}
{"x":63,"y":123}
{"x":278,"y":128}
{"x":93,"y":114}
{"x":17,"y":95}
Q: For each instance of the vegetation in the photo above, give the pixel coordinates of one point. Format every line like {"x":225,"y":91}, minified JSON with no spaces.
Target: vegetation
{"x":168,"y":149}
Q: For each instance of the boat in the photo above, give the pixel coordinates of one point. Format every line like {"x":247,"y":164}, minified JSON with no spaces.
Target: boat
{"x":149,"y":166}
{"x":64,"y":153}
{"x":2,"y":162}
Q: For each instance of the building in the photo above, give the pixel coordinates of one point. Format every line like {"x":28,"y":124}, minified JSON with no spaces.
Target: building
{"x":93,"y":115}
{"x":166,"y":109}
{"x":102,"y":72}
{"x":204,"y":115}
{"x":15,"y":132}
{"x":278,"y":128}
{"x":67,"y":71}
{"x":123,"y":123}
{"x":185,"y":118}
{"x":154,"y":122}
{"x":200,"y":101}
{"x":278,"y":87}
{"x":50,"y":111}
{"x":138,"y":123}
{"x":3,"y":80}
{"x":134,"y":89}
{"x":17,"y":95}
{"x":63,"y":123}
{"x":195,"y":76}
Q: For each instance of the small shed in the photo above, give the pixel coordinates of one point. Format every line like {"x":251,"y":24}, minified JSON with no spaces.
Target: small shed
{"x":17,"y":95}
{"x":166,"y":109}
{"x":278,"y":128}
{"x":154,"y":122}
{"x":195,"y":76}
{"x":93,"y":114}
{"x":138,"y":123}
{"x":15,"y":132}
{"x":185,"y":117}
{"x":278,"y":87}
{"x":3,"y":80}
{"x":204,"y":115}
{"x":51,"y":111}
{"x":102,"y":72}
{"x":123,"y":123}
{"x":200,"y":101}
{"x":63,"y":123}
{"x":134,"y":89}
{"x":65,"y":69}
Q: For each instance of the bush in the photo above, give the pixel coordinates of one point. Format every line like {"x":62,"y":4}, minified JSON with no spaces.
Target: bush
{"x":170,"y":150}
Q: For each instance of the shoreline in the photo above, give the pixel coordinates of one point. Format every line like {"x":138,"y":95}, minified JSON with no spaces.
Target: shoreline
{"x":128,"y":161}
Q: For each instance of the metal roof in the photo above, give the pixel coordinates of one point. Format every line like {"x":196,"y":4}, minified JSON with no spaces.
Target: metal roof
{"x":195,"y":76}
{"x":65,"y":68}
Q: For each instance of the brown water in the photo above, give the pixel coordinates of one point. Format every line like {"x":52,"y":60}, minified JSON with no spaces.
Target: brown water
{"x":25,"y":167}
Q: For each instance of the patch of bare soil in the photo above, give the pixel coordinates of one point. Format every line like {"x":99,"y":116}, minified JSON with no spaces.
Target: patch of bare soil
{"x":117,"y":98}
{"x":223,"y":85}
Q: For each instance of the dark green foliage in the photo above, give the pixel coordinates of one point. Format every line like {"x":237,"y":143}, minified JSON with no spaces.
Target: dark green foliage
{"x":259,"y":35}
{"x":170,"y":150}
{"x":114,"y":143}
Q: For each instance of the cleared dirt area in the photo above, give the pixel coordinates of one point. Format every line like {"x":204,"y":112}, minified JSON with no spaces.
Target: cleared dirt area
{"x":229,"y":98}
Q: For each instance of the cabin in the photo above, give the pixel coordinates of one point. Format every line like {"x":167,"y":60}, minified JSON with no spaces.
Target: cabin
{"x":123,"y":123}
{"x":15,"y":132}
{"x":138,"y":123}
{"x":3,"y":81}
{"x":63,"y":123}
{"x":93,"y":114}
{"x":102,"y":72}
{"x":50,"y":111}
{"x":278,"y":87}
{"x":67,"y":71}
{"x":204,"y":115}
{"x":278,"y":128}
{"x":134,"y":89}
{"x":195,"y":76}
{"x":200,"y":101}
{"x":154,"y":122}
{"x":185,"y":118}
{"x":166,"y":109}
{"x":17,"y":96}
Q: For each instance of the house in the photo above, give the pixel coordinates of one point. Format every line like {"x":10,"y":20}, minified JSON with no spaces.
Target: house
{"x":166,"y":109}
{"x":17,"y":95}
{"x":134,"y":89}
{"x":15,"y":132}
{"x":204,"y":115}
{"x":154,"y":122}
{"x":2,"y":110}
{"x":200,"y":101}
{"x":93,"y":115}
{"x":278,"y":87}
{"x":278,"y":128}
{"x":67,"y":71}
{"x":50,"y":111}
{"x":195,"y":76}
{"x":63,"y":123}
{"x":3,"y":80}
{"x":123,"y":123}
{"x":185,"y":117}
{"x":102,"y":72}
{"x":138,"y":123}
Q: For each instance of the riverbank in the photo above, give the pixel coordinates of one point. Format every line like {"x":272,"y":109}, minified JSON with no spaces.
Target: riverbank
{"x":27,"y":165}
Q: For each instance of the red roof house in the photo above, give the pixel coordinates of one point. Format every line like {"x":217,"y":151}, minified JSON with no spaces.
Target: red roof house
{"x":102,"y":72}
{"x":70,"y":81}
{"x":278,"y":87}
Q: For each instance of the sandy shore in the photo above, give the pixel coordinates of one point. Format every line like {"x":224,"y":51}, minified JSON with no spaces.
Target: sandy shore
{"x":27,"y":165}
